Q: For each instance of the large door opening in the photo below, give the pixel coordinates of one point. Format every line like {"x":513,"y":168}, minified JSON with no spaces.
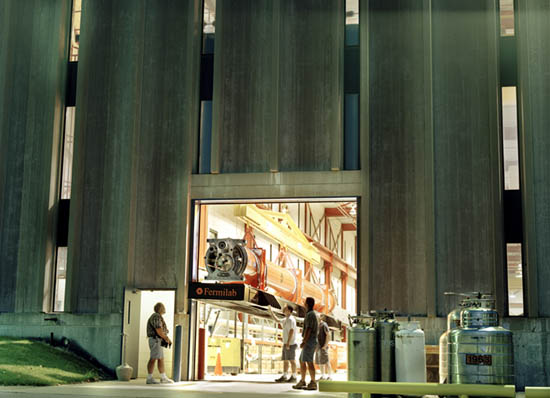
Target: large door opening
{"x":250,"y":259}
{"x":138,"y":307}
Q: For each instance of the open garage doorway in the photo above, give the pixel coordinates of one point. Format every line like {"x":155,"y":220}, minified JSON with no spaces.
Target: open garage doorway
{"x":138,"y":307}
{"x":250,"y":259}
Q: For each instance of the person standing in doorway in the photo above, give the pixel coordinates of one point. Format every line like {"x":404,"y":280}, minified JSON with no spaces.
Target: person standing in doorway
{"x":321,"y":356}
{"x":157,"y":332}
{"x":289,"y":346}
{"x":309,"y":343}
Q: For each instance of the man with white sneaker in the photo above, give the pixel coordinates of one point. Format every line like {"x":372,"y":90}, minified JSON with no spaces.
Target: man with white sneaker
{"x":289,"y":346}
{"x":157,"y":332}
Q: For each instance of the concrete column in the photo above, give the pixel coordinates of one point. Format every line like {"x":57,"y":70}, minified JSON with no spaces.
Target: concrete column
{"x":33,"y":65}
{"x":397,"y":168}
{"x":532,"y":32}
{"x":468,"y":188}
{"x":278,"y":86}
{"x":137,"y":102}
{"x":311,"y":85}
{"x":245,"y":85}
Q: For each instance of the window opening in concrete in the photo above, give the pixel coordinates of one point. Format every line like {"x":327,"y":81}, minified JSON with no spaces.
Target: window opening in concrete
{"x":208,"y":26}
{"x":205,"y":137}
{"x":512,"y":202}
{"x":75,"y":30}
{"x":515,"y":279}
{"x":60,"y":279}
{"x":68,"y":144}
{"x":507,"y":18}
{"x":352,"y":12}
{"x":313,"y":249}
{"x":510,"y":138}
{"x":351,"y":86}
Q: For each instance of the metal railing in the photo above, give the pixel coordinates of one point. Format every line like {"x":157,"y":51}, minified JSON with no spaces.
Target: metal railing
{"x":392,"y":388}
{"x":537,"y":392}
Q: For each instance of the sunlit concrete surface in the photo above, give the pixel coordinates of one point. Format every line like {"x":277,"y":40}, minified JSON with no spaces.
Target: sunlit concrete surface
{"x":240,"y":388}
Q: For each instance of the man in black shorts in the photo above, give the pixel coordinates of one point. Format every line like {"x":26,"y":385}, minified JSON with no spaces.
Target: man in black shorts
{"x":309,"y":343}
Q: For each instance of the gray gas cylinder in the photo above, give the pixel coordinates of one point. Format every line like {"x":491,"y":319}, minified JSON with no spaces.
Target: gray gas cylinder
{"x":385,"y":325}
{"x":362,"y":355}
{"x":453,"y":322}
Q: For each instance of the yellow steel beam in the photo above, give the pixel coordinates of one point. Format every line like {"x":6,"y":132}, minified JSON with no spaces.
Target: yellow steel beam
{"x":281,"y":228}
{"x":462,"y":390}
{"x":537,"y":392}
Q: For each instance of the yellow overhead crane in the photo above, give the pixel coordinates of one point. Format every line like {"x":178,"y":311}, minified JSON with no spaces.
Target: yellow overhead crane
{"x":281,"y":228}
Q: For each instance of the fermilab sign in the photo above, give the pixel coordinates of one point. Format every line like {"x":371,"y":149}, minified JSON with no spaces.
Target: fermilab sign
{"x":216,"y":291}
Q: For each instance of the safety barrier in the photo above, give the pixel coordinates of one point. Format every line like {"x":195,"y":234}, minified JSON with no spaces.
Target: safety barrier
{"x":537,"y":392}
{"x":390,"y":388}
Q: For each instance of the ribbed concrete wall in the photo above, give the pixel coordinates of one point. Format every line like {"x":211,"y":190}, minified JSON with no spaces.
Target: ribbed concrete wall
{"x":468,"y":206}
{"x":136,"y":110}
{"x":398,"y":117}
{"x":533,"y":31}
{"x":278,"y":86}
{"x":429,"y":118}
{"x":33,"y":64}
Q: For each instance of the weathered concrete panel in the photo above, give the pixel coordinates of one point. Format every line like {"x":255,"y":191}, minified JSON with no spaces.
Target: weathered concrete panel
{"x":310,"y":83}
{"x":400,"y":153}
{"x":136,"y":109}
{"x":468,"y":230}
{"x":33,"y":59}
{"x":164,"y":150}
{"x":108,"y":97}
{"x":534,"y":88}
{"x":86,"y":332}
{"x":245,"y":79}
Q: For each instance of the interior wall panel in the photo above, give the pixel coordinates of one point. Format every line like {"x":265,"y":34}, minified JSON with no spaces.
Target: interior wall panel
{"x":468,"y":231}
{"x":533,"y":31}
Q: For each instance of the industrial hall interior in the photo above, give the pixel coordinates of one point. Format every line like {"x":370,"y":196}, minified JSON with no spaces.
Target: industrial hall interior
{"x":389,"y":159}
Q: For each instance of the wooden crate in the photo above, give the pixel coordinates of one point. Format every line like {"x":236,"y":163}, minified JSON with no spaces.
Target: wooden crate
{"x":432,"y":363}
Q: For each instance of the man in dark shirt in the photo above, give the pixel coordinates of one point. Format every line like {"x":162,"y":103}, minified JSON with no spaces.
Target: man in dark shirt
{"x":321,"y":356}
{"x":309,"y":343}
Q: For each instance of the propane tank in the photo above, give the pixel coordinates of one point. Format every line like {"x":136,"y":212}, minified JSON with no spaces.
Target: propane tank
{"x":385,"y":325}
{"x":410,"y":353}
{"x":480,"y":351}
{"x":362,"y":353}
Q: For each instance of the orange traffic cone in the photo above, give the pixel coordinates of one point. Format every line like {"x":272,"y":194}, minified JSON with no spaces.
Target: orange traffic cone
{"x":218,"y":371}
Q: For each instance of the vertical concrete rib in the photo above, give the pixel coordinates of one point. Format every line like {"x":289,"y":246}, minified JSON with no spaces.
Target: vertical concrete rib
{"x":467,"y":205}
{"x":364,"y":266}
{"x":399,"y":86}
{"x":532,"y":31}
{"x":33,"y":64}
{"x":136,"y":113}
{"x":431,"y":296}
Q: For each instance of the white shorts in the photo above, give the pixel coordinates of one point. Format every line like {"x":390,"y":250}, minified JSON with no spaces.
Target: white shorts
{"x":156,"y":348}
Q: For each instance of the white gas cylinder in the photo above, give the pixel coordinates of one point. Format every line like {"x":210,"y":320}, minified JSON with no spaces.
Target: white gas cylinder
{"x":410,"y":353}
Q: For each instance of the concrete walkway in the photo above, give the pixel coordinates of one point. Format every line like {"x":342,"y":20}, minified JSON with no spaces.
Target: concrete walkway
{"x":138,"y":389}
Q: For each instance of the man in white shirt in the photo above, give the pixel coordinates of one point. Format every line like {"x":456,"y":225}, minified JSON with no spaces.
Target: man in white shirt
{"x":289,"y":346}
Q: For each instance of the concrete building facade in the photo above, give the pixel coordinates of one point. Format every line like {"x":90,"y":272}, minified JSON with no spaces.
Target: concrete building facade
{"x":429,"y":177}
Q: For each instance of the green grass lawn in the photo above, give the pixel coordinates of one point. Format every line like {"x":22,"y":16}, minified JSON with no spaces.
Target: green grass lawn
{"x":27,"y":362}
